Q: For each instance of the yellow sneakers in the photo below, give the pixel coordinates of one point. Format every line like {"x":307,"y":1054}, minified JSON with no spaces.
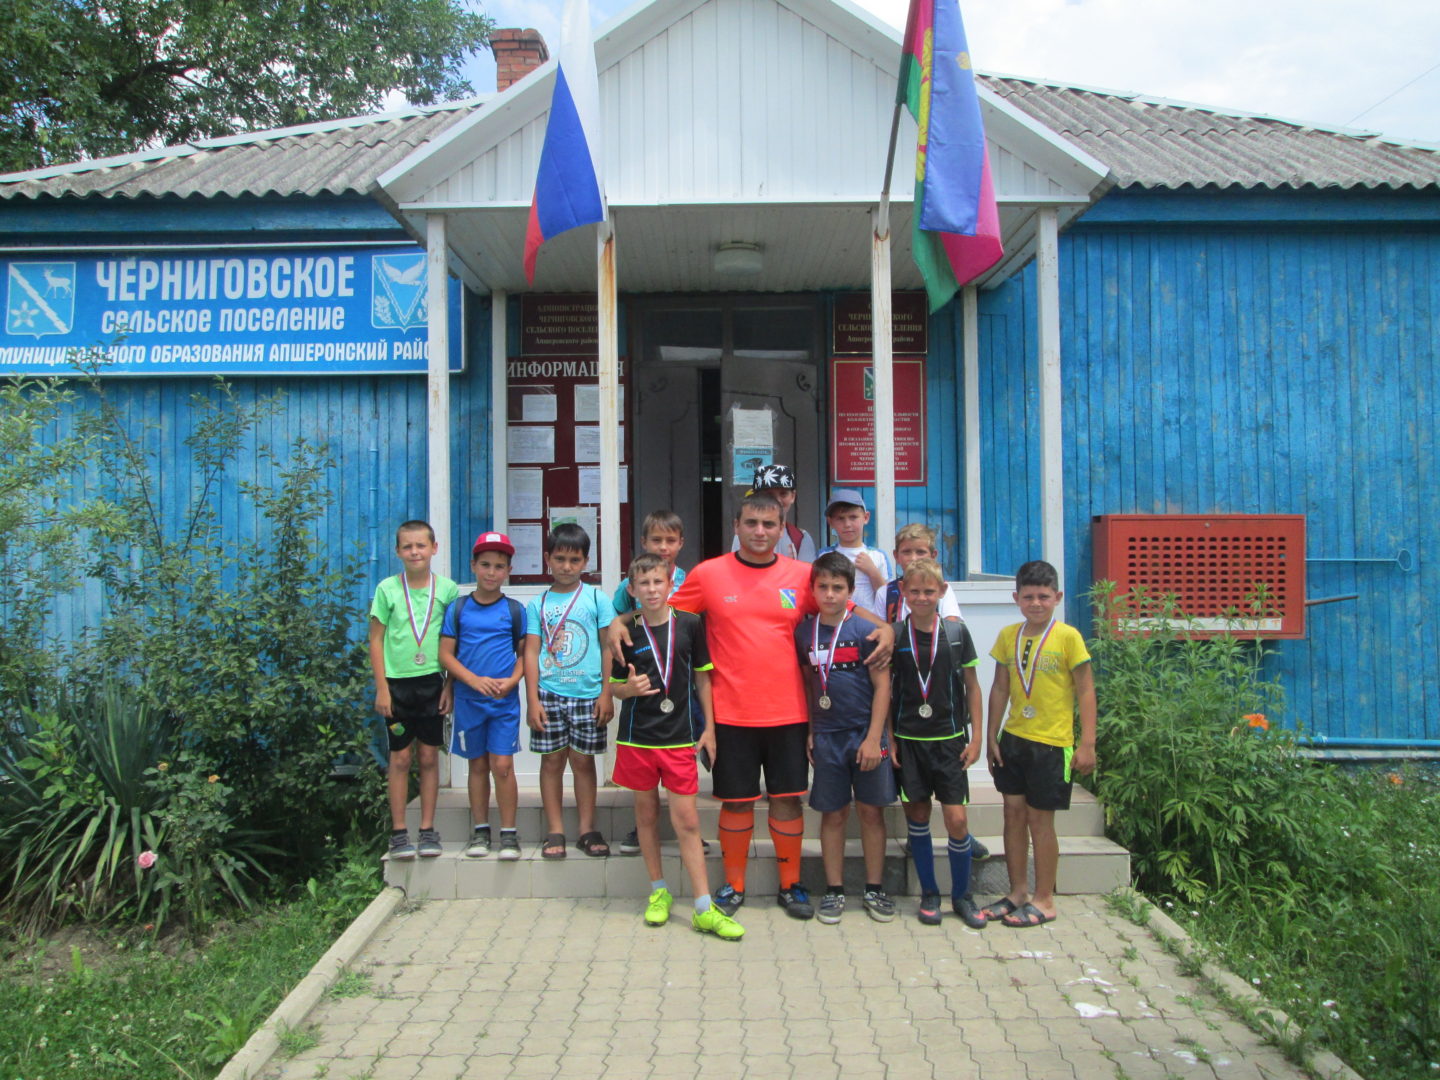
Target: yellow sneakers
{"x":714,"y":921}
{"x":657,"y":909}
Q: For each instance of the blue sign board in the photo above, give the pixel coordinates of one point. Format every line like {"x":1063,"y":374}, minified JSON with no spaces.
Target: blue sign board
{"x":301,"y":311}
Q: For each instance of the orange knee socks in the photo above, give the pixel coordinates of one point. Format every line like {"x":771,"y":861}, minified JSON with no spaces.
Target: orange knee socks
{"x":736,"y":829}
{"x":787,"y":836}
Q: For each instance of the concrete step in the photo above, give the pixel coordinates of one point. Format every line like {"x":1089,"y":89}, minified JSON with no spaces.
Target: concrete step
{"x":1088,"y":864}
{"x":615,"y":814}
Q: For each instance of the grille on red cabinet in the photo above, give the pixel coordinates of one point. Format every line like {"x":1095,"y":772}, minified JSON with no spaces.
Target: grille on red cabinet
{"x":1213,"y":565}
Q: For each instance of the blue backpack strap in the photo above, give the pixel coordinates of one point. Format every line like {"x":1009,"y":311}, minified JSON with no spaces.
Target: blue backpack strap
{"x":517,"y":622}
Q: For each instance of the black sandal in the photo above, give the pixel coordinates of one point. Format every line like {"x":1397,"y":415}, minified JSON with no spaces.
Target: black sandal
{"x":554,"y":846}
{"x":593,"y":844}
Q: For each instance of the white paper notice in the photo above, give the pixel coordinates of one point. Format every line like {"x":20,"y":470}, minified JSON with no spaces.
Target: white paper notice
{"x":526,"y":494}
{"x":529,"y":547}
{"x":590,"y":483}
{"x":585,"y":517}
{"x":587,"y":403}
{"x":537,"y":408}
{"x":751,"y":427}
{"x":531,"y":444}
{"x":587,"y":442}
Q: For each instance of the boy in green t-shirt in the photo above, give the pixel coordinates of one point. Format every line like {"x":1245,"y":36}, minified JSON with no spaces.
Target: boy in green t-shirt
{"x":411,"y":691}
{"x":1042,"y":670}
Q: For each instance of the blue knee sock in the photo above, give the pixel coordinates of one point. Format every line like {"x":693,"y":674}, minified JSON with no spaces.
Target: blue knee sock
{"x":922,"y":853}
{"x":959,"y":866}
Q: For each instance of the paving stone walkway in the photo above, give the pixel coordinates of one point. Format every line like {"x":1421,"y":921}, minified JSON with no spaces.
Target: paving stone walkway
{"x":582,"y":990}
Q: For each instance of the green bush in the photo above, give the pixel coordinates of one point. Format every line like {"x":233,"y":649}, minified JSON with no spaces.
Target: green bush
{"x":247,"y":643}
{"x":1319,"y":885}
{"x":102,"y":816}
{"x":1198,"y":778}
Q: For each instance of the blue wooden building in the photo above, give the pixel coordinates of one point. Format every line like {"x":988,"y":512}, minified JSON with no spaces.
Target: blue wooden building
{"x":1199,"y":313}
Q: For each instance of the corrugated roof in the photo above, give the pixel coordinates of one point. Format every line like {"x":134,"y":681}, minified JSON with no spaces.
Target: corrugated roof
{"x":1153,"y":143}
{"x":1146,"y":142}
{"x":334,"y":158}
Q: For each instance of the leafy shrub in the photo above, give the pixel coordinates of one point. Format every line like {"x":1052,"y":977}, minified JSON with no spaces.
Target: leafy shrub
{"x":75,"y":809}
{"x":39,"y":530}
{"x":102,"y":816}
{"x":247,"y":643}
{"x":1300,"y":875}
{"x":1199,"y":780}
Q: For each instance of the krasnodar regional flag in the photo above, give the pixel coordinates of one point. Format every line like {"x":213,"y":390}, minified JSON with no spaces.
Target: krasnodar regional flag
{"x":957,"y":224}
{"x":568,"y":188}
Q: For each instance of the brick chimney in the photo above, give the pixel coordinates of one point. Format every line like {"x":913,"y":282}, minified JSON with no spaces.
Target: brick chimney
{"x":517,"y":53}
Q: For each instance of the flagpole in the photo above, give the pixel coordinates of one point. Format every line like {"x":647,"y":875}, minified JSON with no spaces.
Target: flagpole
{"x":883,"y":352}
{"x":609,"y":374}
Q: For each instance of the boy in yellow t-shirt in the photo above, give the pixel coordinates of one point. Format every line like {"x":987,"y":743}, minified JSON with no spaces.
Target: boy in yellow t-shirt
{"x":1042,"y":670}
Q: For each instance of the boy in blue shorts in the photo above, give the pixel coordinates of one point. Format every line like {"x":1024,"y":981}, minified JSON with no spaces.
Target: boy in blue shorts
{"x":1042,"y":671}
{"x":934,"y":693}
{"x":411,"y":692}
{"x":568,"y":701}
{"x":482,"y":646}
{"x":663,"y":682}
{"x":849,"y":705}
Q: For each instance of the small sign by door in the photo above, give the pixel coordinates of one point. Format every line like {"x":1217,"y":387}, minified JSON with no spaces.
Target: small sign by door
{"x":852,"y":421}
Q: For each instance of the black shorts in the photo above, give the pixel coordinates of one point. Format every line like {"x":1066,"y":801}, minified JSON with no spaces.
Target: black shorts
{"x":742,"y":753}
{"x":415,"y":711}
{"x":1038,"y":771}
{"x":933,"y":767}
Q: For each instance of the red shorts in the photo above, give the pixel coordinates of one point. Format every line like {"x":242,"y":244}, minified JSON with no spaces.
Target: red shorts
{"x":644,"y":768}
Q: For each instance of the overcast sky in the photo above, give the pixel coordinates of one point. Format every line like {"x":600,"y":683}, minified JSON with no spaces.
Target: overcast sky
{"x":1319,"y":61}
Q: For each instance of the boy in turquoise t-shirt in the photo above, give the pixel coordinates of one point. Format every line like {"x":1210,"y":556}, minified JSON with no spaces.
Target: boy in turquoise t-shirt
{"x":568,"y":701}
{"x":411,"y":691}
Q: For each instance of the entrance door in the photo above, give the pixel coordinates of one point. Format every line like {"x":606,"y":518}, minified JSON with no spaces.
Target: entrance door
{"x":722,"y":385}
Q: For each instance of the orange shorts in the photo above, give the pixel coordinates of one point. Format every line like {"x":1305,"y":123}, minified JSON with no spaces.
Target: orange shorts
{"x":644,"y":768}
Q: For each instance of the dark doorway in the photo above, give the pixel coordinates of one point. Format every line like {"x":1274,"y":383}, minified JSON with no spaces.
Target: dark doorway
{"x":721,"y":383}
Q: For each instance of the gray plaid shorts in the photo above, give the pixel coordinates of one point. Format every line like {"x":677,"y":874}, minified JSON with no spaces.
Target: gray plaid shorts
{"x":569,"y":722}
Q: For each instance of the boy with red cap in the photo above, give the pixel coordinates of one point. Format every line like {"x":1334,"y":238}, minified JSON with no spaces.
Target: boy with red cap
{"x":482,"y":646}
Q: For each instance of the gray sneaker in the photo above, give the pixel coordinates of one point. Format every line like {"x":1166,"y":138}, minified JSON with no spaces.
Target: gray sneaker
{"x":509,"y":844}
{"x":479,"y":845}
{"x":832,"y":906}
{"x":401,"y":847}
{"x":879,"y":906}
{"x":796,"y":902}
{"x":978,"y":851}
{"x":964,"y":907}
{"x":631,"y":844}
{"x":430,"y":846}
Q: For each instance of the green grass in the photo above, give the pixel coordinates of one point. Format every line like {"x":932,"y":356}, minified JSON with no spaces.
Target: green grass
{"x":142,"y":1012}
{"x":1354,"y":962}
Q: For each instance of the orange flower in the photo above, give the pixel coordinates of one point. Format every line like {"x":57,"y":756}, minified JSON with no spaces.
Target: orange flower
{"x":214,"y":777}
{"x":1256,"y":719}
{"x":1395,"y":778}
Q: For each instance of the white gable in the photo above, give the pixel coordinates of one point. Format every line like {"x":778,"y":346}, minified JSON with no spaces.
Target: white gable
{"x":762,"y":103}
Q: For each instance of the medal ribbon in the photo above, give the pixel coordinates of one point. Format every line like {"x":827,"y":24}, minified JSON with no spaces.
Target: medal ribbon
{"x":409,"y":610}
{"x":823,"y":668}
{"x":924,"y":680}
{"x":1027,"y":683}
{"x":553,"y":635}
{"x":669,"y":665}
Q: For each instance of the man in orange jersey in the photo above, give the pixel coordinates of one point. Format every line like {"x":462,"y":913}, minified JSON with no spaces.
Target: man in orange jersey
{"x":752,"y":600}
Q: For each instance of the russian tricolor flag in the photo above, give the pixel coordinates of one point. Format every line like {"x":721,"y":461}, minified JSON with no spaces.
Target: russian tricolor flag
{"x":569,"y":190}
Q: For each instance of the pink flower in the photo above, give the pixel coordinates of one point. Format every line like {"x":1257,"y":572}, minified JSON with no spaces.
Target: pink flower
{"x":146,"y":860}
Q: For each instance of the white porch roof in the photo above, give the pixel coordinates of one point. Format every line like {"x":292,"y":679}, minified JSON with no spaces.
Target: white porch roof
{"x":763,"y":121}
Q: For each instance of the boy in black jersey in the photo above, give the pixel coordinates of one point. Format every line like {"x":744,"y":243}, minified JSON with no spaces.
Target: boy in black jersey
{"x":666,"y":675}
{"x":848,"y":746}
{"x":934,"y":693}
